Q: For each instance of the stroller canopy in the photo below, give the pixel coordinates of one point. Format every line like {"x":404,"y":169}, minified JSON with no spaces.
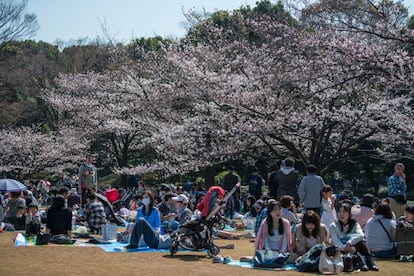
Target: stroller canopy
{"x":207,"y":203}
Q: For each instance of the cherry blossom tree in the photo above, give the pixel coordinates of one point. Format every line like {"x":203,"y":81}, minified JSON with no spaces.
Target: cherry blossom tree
{"x":320,"y":96}
{"x":110,"y":108}
{"x":26,"y":151}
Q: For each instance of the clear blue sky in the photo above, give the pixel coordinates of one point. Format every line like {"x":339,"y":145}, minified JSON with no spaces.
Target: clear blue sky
{"x":125,"y":19}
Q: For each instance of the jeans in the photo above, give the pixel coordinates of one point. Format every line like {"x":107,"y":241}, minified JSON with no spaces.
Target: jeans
{"x":170,"y":225}
{"x":143,"y":228}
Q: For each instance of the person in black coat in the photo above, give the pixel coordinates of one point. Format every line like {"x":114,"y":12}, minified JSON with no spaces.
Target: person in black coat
{"x":59,"y":218}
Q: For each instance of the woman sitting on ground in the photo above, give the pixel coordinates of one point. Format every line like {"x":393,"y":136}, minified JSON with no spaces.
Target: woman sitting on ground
{"x":147,"y":228}
{"x":249,"y":206}
{"x":309,"y":233}
{"x":347,"y":234}
{"x":380,"y":232}
{"x":59,"y":218}
{"x":274,"y":231}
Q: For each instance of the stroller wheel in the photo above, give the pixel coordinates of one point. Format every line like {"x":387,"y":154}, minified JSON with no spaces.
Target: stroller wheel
{"x":186,"y":243}
{"x":213,"y":250}
{"x":173,"y":249}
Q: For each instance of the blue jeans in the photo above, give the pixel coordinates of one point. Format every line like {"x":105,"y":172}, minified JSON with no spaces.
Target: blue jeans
{"x":170,"y":225}
{"x":142,"y":227}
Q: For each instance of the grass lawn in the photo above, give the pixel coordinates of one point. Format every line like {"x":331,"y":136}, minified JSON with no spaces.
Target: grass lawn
{"x":67,"y":260}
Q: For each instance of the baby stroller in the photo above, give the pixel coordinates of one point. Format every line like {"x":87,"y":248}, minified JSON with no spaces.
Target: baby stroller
{"x":197,"y":235}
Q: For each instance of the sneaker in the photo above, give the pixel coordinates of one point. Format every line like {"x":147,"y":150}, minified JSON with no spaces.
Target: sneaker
{"x":404,"y":258}
{"x":218,"y":259}
{"x":131,"y":246}
{"x":227,"y":260}
{"x":250,"y":235}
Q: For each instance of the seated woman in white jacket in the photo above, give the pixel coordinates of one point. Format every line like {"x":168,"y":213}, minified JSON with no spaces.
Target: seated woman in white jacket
{"x":347,"y":234}
{"x":380,"y":232}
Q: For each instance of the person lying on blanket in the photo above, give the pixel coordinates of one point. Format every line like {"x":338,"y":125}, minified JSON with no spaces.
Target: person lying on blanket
{"x":147,"y":228}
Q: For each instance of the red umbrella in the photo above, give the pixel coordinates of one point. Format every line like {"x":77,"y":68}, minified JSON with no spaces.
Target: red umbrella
{"x":47,"y":183}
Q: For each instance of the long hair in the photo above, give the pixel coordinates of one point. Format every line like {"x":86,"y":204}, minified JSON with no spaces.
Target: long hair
{"x":311,"y":217}
{"x":351,"y":222}
{"x":325,"y":189}
{"x":150,"y":205}
{"x":273,"y":204}
{"x":252,"y":200}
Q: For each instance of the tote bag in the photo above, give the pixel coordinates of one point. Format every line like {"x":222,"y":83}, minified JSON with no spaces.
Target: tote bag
{"x":108,"y":231}
{"x":331,"y":265}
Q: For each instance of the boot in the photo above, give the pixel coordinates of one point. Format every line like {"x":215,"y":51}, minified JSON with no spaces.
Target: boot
{"x":348,"y":263}
{"x":359,"y":262}
{"x":371,"y":263}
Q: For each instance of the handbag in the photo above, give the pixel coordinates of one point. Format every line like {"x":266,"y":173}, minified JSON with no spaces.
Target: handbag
{"x":331,"y":264}
{"x":61,"y":239}
{"x":348,"y":260}
{"x":42,"y":238}
{"x":268,"y":258}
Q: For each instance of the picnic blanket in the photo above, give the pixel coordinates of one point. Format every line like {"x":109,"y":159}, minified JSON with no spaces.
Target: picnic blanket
{"x":250,"y":265}
{"x":113,"y":246}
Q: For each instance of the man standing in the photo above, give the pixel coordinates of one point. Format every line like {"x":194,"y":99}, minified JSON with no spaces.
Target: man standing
{"x":88,"y":178}
{"x":286,"y":180}
{"x":397,"y":188}
{"x":64,"y":180}
{"x":255,"y":182}
{"x":310,"y":190}
{"x":229,"y":181}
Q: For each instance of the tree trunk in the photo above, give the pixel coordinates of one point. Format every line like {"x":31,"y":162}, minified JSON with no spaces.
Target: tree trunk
{"x":209,"y":176}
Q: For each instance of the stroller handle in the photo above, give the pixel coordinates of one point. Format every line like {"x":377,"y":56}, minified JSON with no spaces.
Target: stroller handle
{"x":217,"y":207}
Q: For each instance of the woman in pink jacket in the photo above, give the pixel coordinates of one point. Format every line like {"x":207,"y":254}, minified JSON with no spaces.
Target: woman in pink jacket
{"x":274,"y":231}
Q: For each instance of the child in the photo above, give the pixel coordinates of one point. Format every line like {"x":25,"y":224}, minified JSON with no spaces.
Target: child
{"x":32,"y":220}
{"x":409,"y":214}
{"x":288,"y":210}
{"x":328,"y":206}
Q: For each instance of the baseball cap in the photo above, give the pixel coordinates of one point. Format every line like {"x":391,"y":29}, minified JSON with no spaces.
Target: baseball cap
{"x":181,"y":197}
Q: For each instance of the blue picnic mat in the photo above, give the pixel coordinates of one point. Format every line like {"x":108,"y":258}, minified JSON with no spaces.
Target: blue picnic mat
{"x":120,"y":247}
{"x":250,"y":265}
{"x":21,"y":240}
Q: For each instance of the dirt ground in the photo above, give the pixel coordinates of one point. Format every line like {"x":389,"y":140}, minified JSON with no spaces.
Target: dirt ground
{"x":67,"y":260}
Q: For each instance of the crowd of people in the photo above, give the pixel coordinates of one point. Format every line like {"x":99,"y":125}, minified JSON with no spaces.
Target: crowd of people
{"x":297,"y":214}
